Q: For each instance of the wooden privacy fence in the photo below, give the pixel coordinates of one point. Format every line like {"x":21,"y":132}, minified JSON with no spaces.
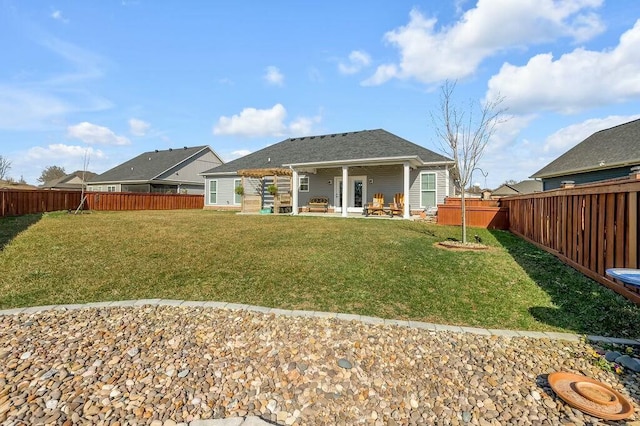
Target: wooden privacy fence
{"x":591,"y":227}
{"x":142,"y":201}
{"x":479,"y":213}
{"x":17,"y":202}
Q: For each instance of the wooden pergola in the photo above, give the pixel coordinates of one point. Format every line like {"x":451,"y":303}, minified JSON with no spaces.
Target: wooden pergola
{"x":253,"y":203}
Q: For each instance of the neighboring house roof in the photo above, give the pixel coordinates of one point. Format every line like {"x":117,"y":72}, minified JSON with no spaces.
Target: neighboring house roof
{"x":333,"y":149}
{"x":522,"y":187}
{"x":64,"y":181}
{"x":5,"y":184}
{"x":611,"y":148}
{"x":149,"y":165}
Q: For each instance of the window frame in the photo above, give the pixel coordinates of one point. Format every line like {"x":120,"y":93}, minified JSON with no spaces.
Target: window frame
{"x":300,"y":189}
{"x":237,"y":199}
{"x":209,"y":192}
{"x":434,"y":190}
{"x":111,"y":188}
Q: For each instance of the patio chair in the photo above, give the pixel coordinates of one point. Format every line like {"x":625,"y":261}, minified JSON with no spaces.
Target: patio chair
{"x":376,"y":206}
{"x":397,"y":207}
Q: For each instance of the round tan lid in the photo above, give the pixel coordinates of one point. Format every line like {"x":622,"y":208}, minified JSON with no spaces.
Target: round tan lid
{"x":589,"y":395}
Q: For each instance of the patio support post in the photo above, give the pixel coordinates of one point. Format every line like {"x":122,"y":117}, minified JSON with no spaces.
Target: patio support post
{"x":405,"y":168}
{"x":345,"y":190}
{"x":294,"y":192}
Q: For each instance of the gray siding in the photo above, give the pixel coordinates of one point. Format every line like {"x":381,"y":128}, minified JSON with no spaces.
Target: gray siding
{"x":191,"y":169}
{"x":226,"y":191}
{"x":580,"y":178}
{"x":387,"y":180}
{"x":441,"y":185}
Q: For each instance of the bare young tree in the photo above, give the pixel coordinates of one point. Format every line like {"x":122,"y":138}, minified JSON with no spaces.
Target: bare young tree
{"x":463,"y":134}
{"x":5,"y":166}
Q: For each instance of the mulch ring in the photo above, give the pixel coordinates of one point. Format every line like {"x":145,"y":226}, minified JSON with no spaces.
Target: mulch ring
{"x":460,"y":246}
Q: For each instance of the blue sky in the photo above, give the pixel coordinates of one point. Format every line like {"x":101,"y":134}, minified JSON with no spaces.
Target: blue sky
{"x":113,"y":79}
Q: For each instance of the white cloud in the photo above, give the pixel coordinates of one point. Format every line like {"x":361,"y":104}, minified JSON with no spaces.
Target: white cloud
{"x":273,"y":76}
{"x":303,"y":126}
{"x":577,"y":80}
{"x":358,"y":60}
{"x":93,"y":134}
{"x":41,"y":104}
{"x":57,"y":15}
{"x":229,"y":156}
{"x":240,"y":153}
{"x":567,"y":137}
{"x":138,"y":127}
{"x":507,"y":131}
{"x":22,"y":109}
{"x":62,"y":151}
{"x":429,"y":53}
{"x":252,"y":122}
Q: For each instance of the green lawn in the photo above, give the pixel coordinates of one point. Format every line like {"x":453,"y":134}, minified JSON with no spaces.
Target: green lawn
{"x":384,"y":268}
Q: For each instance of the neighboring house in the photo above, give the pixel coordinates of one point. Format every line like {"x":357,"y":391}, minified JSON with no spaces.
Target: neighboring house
{"x":168,"y":171}
{"x":71,"y":182}
{"x":10,"y":184}
{"x":607,"y":154}
{"x":371,"y":161}
{"x":521,"y":188}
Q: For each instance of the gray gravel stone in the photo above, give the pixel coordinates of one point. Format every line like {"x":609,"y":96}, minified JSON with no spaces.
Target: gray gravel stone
{"x":198,"y":365}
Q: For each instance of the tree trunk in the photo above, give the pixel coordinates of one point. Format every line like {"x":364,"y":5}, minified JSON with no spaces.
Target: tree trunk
{"x":463,"y":207}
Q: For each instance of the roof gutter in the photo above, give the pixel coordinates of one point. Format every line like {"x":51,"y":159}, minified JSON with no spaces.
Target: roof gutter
{"x":585,"y":170}
{"x":414,"y":160}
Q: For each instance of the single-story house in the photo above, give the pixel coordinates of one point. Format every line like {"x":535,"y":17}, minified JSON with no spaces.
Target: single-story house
{"x":607,"y":154}
{"x":345,"y":169}
{"x":523,"y":187}
{"x":168,"y":171}
{"x":71,"y":182}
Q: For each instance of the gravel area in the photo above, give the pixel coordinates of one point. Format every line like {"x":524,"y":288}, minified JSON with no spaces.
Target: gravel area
{"x":165,"y":365}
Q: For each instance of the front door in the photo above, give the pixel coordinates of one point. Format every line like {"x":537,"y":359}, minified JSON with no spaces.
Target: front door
{"x":357,"y":194}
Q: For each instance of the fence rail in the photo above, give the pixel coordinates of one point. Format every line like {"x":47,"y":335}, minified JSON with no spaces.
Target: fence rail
{"x":591,"y":227}
{"x":479,"y":213}
{"x":142,"y":201}
{"x":18,"y":202}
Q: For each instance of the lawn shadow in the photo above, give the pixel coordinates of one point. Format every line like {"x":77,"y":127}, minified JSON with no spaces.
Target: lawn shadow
{"x":11,"y":226}
{"x":579,"y":303}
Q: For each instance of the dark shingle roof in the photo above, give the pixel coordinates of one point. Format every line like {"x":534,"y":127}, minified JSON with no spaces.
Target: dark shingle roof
{"x":522,"y":187}
{"x":615,"y":147}
{"x":61,"y":182}
{"x":149,"y":165}
{"x":366,"y":144}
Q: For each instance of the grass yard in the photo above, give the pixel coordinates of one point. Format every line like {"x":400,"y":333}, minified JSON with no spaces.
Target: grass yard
{"x":381,"y":268}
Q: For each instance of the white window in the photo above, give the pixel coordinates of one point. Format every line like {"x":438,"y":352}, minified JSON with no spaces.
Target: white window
{"x":427,"y":190}
{"x":111,"y":188}
{"x":237,"y":198}
{"x":213,"y":192}
{"x":303,"y":183}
